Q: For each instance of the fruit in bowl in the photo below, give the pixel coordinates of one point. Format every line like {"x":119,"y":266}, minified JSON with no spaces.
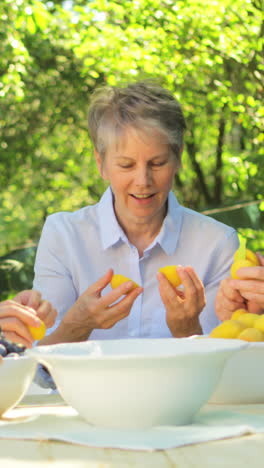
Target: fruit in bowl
{"x":137,"y":383}
{"x":242,"y":325}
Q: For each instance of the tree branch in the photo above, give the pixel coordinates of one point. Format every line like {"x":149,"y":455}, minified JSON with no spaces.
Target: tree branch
{"x":192,"y":150}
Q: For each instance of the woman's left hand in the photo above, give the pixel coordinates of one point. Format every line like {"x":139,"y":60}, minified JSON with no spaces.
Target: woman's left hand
{"x":183,"y":307}
{"x":45,"y":310}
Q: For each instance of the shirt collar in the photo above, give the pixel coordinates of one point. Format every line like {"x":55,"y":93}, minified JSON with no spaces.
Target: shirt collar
{"x":110,"y":231}
{"x":167,"y":237}
{"x":169,"y":234}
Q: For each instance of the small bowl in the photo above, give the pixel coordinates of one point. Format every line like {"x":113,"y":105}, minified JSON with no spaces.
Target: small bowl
{"x":137,"y":383}
{"x":242,"y":381}
{"x":16,"y":375}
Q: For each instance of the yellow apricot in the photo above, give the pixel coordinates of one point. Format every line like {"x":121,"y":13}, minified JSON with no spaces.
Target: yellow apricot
{"x":250,"y":256}
{"x":259,"y":323}
{"x":120,"y":279}
{"x":38,"y":332}
{"x":227,"y":329}
{"x":239,"y":264}
{"x":251,"y":334}
{"x":237,"y":313}
{"x":248,"y":319}
{"x":170,"y":271}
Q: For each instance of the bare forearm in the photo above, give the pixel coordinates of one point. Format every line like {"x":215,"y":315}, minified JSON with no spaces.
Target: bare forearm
{"x":65,"y":333}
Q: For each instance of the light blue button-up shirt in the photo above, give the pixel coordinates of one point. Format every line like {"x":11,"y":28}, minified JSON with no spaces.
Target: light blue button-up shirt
{"x":76,"y":249}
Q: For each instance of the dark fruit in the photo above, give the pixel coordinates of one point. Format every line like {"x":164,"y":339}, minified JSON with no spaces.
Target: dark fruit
{"x":8,"y":348}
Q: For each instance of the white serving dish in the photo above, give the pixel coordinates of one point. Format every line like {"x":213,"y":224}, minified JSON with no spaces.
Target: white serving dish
{"x":16,"y":375}
{"x":137,"y":382}
{"x":242,"y":381}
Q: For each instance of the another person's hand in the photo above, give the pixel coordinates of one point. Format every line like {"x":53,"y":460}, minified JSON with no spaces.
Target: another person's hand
{"x":14,"y":321}
{"x":246,"y":292}
{"x":26,"y":309}
{"x":45,"y":311}
{"x":93,"y":311}
{"x":183,"y":307}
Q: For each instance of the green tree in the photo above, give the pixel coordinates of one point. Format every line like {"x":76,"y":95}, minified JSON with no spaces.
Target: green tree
{"x":52,"y":56}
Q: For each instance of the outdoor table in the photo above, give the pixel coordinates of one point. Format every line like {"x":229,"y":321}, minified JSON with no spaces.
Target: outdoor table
{"x":241,"y":452}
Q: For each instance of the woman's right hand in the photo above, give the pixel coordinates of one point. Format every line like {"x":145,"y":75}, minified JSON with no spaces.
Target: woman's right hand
{"x":94,"y":311}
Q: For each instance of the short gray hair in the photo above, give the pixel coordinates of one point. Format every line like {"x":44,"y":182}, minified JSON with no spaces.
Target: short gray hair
{"x":144,"y":105}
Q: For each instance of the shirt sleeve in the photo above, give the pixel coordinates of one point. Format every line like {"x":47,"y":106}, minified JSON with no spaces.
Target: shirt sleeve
{"x":218,"y":269}
{"x":52,"y":272}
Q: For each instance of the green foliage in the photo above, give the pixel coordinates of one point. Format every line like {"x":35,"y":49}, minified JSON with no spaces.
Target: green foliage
{"x":51,"y":59}
{"x":16,"y":271}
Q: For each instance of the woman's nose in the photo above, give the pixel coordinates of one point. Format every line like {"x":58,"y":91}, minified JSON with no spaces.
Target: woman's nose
{"x":144,"y":176}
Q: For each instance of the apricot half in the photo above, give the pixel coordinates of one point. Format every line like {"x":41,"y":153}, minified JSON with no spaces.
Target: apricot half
{"x":227,"y":329}
{"x":248,"y":319}
{"x":251,"y":334}
{"x":170,"y":271}
{"x":237,"y":313}
{"x":250,"y":256}
{"x":239,"y":264}
{"x":120,"y":279}
{"x":38,"y":332}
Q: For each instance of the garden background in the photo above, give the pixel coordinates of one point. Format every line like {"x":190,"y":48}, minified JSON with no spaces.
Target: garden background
{"x":209,"y":53}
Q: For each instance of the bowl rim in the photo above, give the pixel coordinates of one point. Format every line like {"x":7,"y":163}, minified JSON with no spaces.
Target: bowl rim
{"x":17,"y":358}
{"x":250,"y":344}
{"x":39,"y":352}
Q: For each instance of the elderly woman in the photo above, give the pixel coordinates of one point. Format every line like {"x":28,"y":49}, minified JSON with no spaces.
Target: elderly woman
{"x":137,"y":227}
{"x":25,"y":309}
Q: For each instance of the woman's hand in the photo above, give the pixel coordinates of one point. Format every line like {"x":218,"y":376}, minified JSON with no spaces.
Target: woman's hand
{"x":94,"y":311}
{"x":44,"y":309}
{"x":183,"y":307}
{"x":246,"y":292}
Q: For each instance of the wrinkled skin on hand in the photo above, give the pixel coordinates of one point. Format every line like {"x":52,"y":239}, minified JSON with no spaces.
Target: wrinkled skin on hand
{"x":183,"y":306}
{"x":92,"y":310}
{"x":246,"y":292}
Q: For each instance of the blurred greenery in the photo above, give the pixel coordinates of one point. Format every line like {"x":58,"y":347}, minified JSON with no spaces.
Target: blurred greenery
{"x":52,"y":56}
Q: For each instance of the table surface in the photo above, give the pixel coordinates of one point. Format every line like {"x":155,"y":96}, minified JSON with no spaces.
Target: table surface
{"x":240,"y":452}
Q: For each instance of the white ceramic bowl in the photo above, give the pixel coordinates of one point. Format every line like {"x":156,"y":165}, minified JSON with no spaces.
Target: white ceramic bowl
{"x":16,"y":375}
{"x":242,"y":380}
{"x":137,"y":382}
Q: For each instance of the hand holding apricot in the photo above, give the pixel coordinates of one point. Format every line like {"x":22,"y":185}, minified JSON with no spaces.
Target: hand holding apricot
{"x":250,"y":259}
{"x":38,"y":332}
{"x":118,"y":279}
{"x":170,"y":271}
{"x":94,"y":310}
{"x":247,"y":327}
{"x":183,"y":307}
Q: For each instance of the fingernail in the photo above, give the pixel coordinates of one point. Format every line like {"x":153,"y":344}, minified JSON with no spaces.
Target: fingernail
{"x":37,"y":321}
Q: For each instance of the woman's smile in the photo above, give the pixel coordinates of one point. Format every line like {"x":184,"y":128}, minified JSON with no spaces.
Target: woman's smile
{"x":143,"y":199}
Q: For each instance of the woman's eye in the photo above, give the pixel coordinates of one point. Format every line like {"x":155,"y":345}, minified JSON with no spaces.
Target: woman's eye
{"x":158,"y":164}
